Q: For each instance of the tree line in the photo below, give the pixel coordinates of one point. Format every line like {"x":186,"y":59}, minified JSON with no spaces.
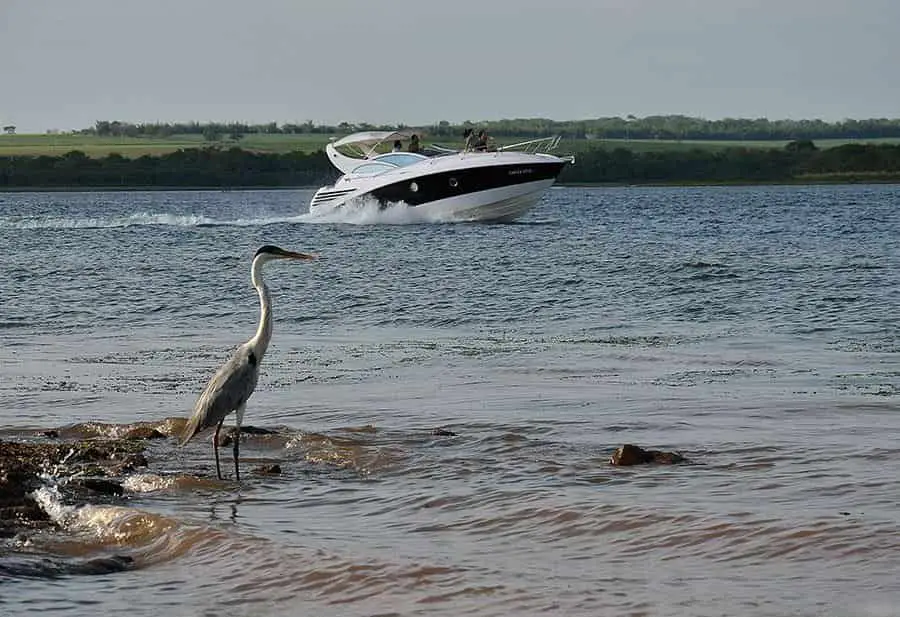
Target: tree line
{"x":235,"y":167}
{"x":671,"y":127}
{"x":795,"y":162}
{"x":188,"y":168}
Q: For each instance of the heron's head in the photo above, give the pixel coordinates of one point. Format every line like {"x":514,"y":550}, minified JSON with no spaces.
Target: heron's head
{"x":270,"y":252}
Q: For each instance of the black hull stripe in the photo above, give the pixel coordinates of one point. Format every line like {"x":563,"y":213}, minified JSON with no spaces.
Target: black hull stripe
{"x":463,"y":181}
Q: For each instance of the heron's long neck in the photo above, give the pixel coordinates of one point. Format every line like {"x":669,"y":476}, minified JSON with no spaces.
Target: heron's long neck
{"x":263,"y":335}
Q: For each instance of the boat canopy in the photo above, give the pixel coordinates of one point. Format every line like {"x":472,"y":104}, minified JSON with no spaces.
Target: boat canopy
{"x":369,"y":140}
{"x":363,"y":146}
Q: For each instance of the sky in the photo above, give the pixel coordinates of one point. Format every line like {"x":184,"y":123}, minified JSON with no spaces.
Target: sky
{"x":64,"y":64}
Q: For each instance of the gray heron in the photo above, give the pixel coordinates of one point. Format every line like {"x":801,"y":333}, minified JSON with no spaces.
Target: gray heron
{"x":234,"y":382}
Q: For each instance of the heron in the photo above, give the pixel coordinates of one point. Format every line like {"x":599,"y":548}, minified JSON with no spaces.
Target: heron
{"x":231,"y":386}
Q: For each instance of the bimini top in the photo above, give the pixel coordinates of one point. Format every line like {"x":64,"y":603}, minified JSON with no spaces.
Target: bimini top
{"x":371,"y":138}
{"x":362,"y":146}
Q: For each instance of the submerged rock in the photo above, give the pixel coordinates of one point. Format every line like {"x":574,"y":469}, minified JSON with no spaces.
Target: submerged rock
{"x":273,"y":469}
{"x":443,"y":432}
{"x":630,"y":454}
{"x":31,"y":567}
{"x":100,"y":485}
{"x":226,"y":435}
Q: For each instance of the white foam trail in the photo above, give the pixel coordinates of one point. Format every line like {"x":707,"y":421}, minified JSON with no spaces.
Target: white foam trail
{"x":366,"y":212}
{"x":116,"y":524}
{"x":96,"y":519}
{"x":135,"y":220}
{"x":48,"y":498}
{"x":370,"y":212}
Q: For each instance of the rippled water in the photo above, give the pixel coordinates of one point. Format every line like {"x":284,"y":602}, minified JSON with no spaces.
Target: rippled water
{"x":754,"y":330}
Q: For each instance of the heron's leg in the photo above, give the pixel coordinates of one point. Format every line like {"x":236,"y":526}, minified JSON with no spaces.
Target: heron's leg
{"x":216,"y":448}
{"x":239,"y":416}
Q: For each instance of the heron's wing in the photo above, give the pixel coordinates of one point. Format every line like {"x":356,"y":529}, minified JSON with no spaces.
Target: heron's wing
{"x":229,"y":388}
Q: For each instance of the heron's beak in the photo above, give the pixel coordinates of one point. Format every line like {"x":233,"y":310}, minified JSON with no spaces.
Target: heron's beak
{"x":293,"y":255}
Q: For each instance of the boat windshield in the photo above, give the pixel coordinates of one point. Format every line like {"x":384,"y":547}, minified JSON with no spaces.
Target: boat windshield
{"x":400,"y":159}
{"x":372,"y":169}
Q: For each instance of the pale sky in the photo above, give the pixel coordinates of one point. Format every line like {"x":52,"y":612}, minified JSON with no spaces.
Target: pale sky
{"x":65,"y":64}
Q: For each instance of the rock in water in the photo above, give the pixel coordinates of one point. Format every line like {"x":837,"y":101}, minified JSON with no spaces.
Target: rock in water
{"x":630,"y":454}
{"x":272,"y":469}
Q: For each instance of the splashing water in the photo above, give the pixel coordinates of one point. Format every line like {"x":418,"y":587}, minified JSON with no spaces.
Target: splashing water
{"x":106,"y":523}
{"x":368,"y":211}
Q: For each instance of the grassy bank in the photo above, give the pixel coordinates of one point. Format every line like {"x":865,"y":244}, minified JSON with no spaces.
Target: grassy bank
{"x":134,"y":147}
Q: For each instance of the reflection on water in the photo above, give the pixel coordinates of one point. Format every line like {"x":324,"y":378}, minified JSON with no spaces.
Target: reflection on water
{"x":750,"y":329}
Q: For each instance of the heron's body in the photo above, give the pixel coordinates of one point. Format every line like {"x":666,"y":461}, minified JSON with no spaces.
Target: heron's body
{"x":231,"y":386}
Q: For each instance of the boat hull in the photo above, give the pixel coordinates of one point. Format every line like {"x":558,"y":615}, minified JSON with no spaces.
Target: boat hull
{"x":501,"y":205}
{"x":467,"y":187}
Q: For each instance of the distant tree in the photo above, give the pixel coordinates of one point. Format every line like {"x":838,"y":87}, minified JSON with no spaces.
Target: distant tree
{"x":801,"y":145}
{"x":236,"y":131}
{"x":211,"y":133}
{"x":9,"y":129}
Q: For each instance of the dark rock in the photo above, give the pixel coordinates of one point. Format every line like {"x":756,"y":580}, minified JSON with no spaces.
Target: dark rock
{"x":50,"y":434}
{"x":143,"y":432}
{"x":256,"y":430}
{"x":667,"y":458}
{"x":98,"y":485}
{"x":130,"y":463}
{"x":268,"y":470}
{"x":226,"y":435}
{"x":630,"y":454}
{"x":32,"y":567}
{"x":104,"y":565}
{"x":443,"y":432}
{"x":102,"y":451}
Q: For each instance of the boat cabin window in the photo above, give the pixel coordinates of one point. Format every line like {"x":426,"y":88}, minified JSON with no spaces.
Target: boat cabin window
{"x":400,"y":159}
{"x":372,"y":169}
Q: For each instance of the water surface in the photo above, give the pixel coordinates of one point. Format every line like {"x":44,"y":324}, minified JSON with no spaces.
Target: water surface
{"x":754,"y":330}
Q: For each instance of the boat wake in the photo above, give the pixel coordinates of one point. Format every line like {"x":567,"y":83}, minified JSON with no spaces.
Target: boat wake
{"x":141,"y":219}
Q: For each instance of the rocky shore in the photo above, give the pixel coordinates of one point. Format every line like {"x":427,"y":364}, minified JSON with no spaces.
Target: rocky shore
{"x":91,"y":466}
{"x":90,"y":461}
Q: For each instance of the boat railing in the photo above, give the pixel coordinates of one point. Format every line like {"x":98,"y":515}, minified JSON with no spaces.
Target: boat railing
{"x":542,"y":145}
{"x":534,"y":146}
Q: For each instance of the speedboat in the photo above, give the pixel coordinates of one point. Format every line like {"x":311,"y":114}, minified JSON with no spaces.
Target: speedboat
{"x":499,"y":184}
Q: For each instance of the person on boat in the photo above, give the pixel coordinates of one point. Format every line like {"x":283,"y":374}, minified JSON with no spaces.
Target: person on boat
{"x":398,"y":147}
{"x":469,"y":137}
{"x":414,"y":143}
{"x":481,"y":142}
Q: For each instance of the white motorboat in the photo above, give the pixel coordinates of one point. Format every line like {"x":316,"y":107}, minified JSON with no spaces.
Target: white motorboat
{"x":490,"y":185}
